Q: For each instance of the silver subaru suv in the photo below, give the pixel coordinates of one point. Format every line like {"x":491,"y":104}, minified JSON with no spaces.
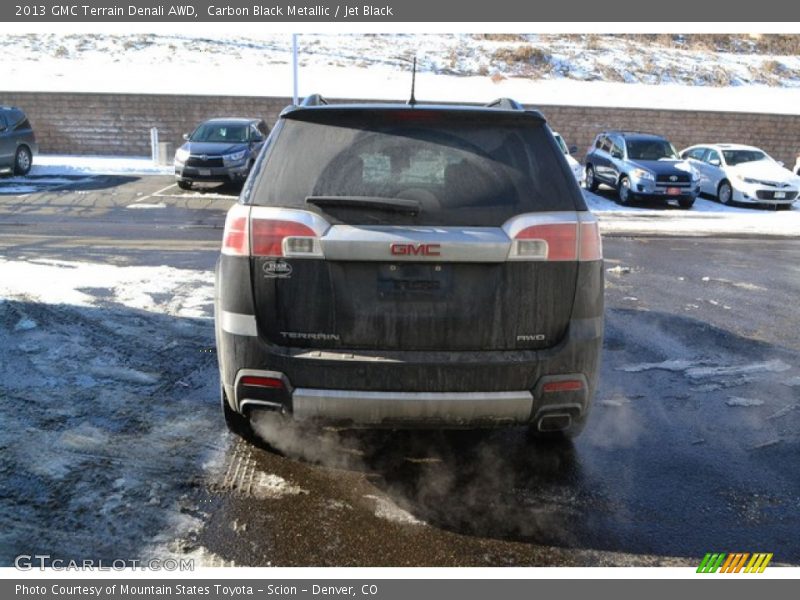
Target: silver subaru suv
{"x":401,"y":266}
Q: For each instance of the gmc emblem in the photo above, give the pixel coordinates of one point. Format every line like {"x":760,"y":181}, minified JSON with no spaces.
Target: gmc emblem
{"x":415,"y":249}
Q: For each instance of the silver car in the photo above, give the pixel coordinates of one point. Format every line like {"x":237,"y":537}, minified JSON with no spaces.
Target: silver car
{"x":734,"y":173}
{"x":17,"y":142}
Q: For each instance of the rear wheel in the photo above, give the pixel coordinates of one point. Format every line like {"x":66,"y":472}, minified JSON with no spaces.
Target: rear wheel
{"x":624,"y":191}
{"x":237,"y":424}
{"x":22,"y":161}
{"x":591,"y":180}
{"x":725,"y":193}
{"x":185,"y":185}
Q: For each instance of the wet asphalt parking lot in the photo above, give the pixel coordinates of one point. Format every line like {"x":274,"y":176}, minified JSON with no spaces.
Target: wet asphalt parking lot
{"x":691,"y":447}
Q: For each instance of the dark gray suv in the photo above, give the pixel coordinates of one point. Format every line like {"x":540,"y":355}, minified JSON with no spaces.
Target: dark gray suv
{"x":17,"y":141}
{"x":410,"y":266}
{"x":219,"y":151}
{"x":640,"y":166}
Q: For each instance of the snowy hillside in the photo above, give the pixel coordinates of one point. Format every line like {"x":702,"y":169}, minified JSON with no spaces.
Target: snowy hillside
{"x":670,"y":71}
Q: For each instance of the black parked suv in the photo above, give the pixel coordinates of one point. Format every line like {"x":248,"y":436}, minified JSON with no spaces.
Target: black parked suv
{"x":410,"y":266}
{"x":17,"y":142}
{"x":640,"y":166}
{"x":219,"y":150}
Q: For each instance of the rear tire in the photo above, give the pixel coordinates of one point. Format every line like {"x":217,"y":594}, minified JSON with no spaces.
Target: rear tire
{"x":185,"y":185}
{"x":591,"y":181}
{"x":23,"y":160}
{"x":237,"y":424}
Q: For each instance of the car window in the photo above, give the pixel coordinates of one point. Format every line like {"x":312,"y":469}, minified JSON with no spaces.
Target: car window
{"x":220,"y":132}
{"x":695,"y":153}
{"x":713,"y":155}
{"x":617,"y":145}
{"x":651,"y":149}
{"x":737,"y":157}
{"x":3,"y":123}
{"x":462,"y":169}
{"x":561,"y":143}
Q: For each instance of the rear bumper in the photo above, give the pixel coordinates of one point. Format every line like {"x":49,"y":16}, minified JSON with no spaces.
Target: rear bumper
{"x":419,"y":389}
{"x":214,"y":174}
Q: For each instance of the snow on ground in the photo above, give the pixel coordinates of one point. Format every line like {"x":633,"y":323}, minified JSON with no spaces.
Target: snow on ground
{"x":624,"y":71}
{"x":706,"y":217}
{"x":105,"y":382}
{"x":163,"y":290}
{"x":55,"y":165}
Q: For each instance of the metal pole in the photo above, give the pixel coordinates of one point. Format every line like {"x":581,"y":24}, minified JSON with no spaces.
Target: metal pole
{"x":294,"y":66}
{"x":154,"y":145}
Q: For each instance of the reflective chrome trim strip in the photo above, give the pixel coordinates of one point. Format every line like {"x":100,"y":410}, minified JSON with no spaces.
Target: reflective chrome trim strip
{"x":375,"y":408}
{"x":238,"y":324}
{"x":418,"y":243}
{"x":266,"y":404}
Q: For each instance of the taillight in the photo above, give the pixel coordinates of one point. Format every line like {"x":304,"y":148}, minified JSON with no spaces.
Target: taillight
{"x":591,"y":245}
{"x":548,"y":241}
{"x":236,"y":238}
{"x":547,"y":237}
{"x":276,"y":237}
{"x":272,"y":232}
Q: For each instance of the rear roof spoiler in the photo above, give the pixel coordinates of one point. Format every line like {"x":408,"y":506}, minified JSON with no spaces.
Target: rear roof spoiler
{"x":505,"y":104}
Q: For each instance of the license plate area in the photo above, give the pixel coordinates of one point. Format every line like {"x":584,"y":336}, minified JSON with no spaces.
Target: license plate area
{"x":673,"y":191}
{"x":779,"y":195}
{"x":204,"y":172}
{"x":414,"y":281}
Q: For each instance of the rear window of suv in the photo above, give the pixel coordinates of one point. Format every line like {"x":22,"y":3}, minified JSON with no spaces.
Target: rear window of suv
{"x":463,"y":168}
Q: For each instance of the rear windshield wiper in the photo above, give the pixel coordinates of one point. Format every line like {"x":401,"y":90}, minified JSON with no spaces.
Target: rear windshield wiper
{"x":400,"y":205}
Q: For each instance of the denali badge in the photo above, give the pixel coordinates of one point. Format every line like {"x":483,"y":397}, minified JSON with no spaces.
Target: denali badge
{"x":277,"y":269}
{"x":415,"y":249}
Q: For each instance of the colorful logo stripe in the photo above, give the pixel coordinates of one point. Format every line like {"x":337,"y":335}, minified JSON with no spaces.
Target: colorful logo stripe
{"x":734,"y":563}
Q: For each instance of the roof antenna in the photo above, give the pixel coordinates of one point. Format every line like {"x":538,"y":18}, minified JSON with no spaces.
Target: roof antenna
{"x":412,"y":101}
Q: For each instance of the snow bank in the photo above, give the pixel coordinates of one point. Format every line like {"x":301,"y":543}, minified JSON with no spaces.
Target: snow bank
{"x":59,"y":165}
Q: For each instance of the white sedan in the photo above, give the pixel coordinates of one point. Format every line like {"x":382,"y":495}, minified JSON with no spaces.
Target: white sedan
{"x":737,"y":173}
{"x":574,"y":165}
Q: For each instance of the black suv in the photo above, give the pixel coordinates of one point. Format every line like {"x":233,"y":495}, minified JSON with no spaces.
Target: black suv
{"x":410,"y":265}
{"x":219,"y":151}
{"x":17,"y":142}
{"x":640,"y":166}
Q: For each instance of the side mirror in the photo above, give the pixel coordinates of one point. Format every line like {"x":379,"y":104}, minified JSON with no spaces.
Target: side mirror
{"x":781,"y":163}
{"x":616,"y":155}
{"x":714,"y":162}
{"x":186,"y":136}
{"x":573,"y":149}
{"x":257,"y":139}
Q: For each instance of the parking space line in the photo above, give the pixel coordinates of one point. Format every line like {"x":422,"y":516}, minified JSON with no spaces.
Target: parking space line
{"x":203,"y":196}
{"x":148,"y":196}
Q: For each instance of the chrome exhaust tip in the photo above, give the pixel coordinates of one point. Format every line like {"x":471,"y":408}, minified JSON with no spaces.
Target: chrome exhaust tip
{"x":554,"y":422}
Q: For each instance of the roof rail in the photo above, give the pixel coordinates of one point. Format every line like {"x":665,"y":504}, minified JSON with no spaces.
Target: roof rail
{"x":313,"y":100}
{"x":505,"y":103}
